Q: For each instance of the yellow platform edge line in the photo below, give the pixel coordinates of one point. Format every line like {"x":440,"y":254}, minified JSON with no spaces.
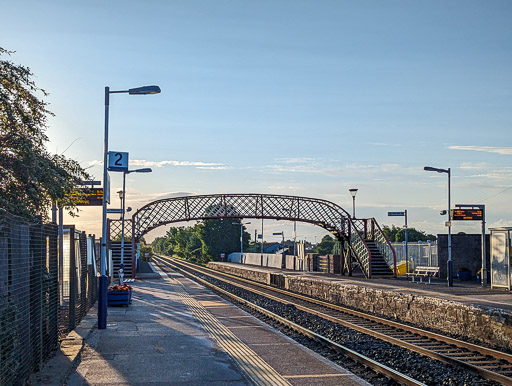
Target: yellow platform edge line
{"x":259,"y":371}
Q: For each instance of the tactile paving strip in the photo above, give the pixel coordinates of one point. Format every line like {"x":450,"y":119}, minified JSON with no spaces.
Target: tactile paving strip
{"x":256,"y":368}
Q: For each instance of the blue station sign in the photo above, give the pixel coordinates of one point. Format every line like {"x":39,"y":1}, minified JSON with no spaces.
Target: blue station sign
{"x":396,"y":213}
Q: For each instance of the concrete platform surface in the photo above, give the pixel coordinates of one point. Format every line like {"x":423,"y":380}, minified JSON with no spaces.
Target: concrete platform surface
{"x":178,"y":332}
{"x":466,"y":292}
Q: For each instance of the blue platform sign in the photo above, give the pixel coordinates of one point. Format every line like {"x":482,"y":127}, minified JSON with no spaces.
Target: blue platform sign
{"x":396,"y":213}
{"x":117,"y":161}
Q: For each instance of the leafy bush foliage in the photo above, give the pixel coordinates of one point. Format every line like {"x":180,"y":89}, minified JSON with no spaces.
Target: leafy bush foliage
{"x":202,"y":242}
{"x":30,"y":177}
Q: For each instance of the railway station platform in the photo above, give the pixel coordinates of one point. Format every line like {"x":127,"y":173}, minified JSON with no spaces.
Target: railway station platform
{"x":178,"y":332}
{"x":465,"y":292}
{"x":467,"y":310}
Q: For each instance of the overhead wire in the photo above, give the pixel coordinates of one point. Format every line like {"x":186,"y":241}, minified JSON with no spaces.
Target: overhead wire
{"x":494,"y":195}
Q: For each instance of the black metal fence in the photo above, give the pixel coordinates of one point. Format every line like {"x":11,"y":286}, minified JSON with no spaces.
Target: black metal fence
{"x":78,"y":289}
{"x":34,"y":314}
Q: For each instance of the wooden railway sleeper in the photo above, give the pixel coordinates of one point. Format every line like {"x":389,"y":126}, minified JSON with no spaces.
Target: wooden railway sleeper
{"x":459,"y":354}
{"x":472,"y":359}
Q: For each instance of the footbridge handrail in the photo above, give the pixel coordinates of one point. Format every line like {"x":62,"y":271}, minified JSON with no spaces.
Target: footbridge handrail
{"x":267,"y":206}
{"x":383,"y":244}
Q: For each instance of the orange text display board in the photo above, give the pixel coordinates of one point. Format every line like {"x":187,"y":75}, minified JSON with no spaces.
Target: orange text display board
{"x":88,"y":197}
{"x":468,"y":214}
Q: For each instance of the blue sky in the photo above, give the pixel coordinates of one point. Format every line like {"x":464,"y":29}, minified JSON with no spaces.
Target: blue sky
{"x":308,"y":98}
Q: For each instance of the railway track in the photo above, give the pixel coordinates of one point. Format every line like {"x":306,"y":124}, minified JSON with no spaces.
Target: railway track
{"x":486,"y":363}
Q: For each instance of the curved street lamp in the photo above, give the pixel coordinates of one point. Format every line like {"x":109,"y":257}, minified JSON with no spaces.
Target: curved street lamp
{"x":353,"y":192}
{"x":450,"y":264}
{"x":103,"y":280}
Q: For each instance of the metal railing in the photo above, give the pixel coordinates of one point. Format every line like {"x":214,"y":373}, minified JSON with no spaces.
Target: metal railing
{"x":385,"y":247}
{"x":420,"y":253}
{"x":364,"y":230}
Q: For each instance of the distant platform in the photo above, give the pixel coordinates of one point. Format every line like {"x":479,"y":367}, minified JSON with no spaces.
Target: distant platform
{"x":467,"y":309}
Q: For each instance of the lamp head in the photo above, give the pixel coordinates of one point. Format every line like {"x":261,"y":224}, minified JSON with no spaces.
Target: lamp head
{"x":431,"y":169}
{"x":120,"y":192}
{"x":144,"y":170}
{"x":144,"y":90}
{"x":353,"y":192}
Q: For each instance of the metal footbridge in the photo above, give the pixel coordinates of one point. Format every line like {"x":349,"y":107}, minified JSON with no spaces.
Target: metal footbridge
{"x":364,"y":243}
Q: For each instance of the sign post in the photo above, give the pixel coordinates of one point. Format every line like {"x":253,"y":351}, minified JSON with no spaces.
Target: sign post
{"x":279,"y":234}
{"x":404,"y":214}
{"x":474,"y":213}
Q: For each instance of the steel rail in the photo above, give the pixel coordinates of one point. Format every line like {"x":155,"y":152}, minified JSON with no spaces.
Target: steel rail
{"x":432,"y":335}
{"x":364,"y":360}
{"x":438,"y":353}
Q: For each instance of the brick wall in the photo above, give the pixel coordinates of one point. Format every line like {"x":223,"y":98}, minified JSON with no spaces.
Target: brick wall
{"x":466,"y":252}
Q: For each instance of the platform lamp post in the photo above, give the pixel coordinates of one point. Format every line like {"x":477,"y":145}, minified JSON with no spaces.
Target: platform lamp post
{"x":449,"y":222}
{"x":241,"y":235}
{"x":122,"y":194}
{"x":103,"y":280}
{"x":353,"y":192}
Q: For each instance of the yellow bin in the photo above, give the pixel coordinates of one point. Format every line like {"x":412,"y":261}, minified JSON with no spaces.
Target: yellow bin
{"x":400,"y":268}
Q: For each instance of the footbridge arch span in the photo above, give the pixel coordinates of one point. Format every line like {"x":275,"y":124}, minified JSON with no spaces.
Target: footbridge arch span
{"x":363,"y":240}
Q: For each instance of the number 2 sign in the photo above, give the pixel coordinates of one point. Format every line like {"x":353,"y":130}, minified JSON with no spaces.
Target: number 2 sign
{"x":117,"y":161}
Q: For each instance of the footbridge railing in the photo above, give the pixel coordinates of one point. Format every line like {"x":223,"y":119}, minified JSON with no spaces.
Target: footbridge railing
{"x":355,"y":233}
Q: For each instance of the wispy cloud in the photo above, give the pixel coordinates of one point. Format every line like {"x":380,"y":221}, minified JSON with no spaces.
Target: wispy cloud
{"x":384,"y":144}
{"x":283,"y":188}
{"x":487,"y":149}
{"x":159,"y":164}
{"x":474,"y":165}
{"x":349,"y":169}
{"x":380,"y":167}
{"x":213,"y":167}
{"x":500,"y":223}
{"x":296,"y":160}
{"x":138,"y":197}
{"x":499,"y":174}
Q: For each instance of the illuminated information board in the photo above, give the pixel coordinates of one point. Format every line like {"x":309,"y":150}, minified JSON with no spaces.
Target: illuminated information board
{"x":467,"y":214}
{"x":88,"y":197}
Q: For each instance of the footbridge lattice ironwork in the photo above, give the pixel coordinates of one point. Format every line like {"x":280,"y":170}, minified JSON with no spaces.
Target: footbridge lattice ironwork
{"x":363,"y":239}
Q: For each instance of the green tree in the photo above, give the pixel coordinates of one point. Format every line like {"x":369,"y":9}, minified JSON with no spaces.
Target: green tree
{"x":325,"y":247}
{"x":204,"y":241}
{"x":222,"y":236}
{"x":390,"y":232}
{"x":413,"y":235}
{"x":144,"y":248}
{"x":397,"y":234}
{"x":30,"y":177}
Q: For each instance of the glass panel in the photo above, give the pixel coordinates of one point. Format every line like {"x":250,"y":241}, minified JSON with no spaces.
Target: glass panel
{"x":66,"y":237}
{"x":499,"y":265}
{"x":78,"y":264}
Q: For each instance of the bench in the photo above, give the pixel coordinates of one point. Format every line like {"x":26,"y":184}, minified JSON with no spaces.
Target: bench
{"x":424,"y":271}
